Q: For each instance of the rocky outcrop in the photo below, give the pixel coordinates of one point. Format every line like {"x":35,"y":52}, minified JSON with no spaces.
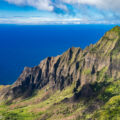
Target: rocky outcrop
{"x":78,"y":66}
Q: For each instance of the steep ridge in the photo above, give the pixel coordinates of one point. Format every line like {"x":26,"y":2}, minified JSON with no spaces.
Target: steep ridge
{"x":77,"y":85}
{"x":75,"y":65}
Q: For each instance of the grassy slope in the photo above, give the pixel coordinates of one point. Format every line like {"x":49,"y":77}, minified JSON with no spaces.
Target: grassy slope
{"x":38,"y":106}
{"x":44,"y":106}
{"x":47,"y":105}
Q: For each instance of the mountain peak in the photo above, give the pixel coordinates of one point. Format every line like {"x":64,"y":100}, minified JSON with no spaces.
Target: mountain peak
{"x":113,"y":34}
{"x":109,"y":42}
{"x":116,"y":29}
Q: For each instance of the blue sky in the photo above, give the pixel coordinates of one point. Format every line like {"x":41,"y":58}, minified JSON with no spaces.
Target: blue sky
{"x":59,"y":12}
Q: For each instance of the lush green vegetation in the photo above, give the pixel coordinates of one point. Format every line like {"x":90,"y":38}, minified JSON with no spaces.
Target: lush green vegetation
{"x":111,"y":110}
{"x":87,"y":71}
{"x":111,"y":98}
{"x":42,"y":105}
{"x":48,"y":106}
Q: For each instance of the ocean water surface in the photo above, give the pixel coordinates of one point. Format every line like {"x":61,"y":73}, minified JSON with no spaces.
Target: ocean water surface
{"x":22,"y":45}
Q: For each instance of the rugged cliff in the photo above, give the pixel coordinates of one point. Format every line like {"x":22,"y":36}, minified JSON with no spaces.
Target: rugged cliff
{"x":75,"y":65}
{"x":88,"y":71}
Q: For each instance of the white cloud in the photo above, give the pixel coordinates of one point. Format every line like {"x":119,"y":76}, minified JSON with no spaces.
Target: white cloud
{"x":61,"y":6}
{"x":39,"y":20}
{"x":50,"y":5}
{"x":39,"y":4}
{"x":45,"y":20}
{"x":103,"y":4}
{"x":108,"y":11}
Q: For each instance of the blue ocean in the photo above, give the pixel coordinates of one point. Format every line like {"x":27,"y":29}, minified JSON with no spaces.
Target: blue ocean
{"x":22,"y":45}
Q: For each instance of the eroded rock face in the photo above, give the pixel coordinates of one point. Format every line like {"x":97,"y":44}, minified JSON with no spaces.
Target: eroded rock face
{"x":75,"y":65}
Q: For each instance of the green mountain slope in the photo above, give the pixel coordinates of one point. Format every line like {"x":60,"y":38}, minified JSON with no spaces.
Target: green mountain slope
{"x":77,"y":85}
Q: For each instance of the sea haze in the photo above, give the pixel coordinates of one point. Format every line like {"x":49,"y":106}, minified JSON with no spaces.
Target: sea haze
{"x":22,"y":46}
